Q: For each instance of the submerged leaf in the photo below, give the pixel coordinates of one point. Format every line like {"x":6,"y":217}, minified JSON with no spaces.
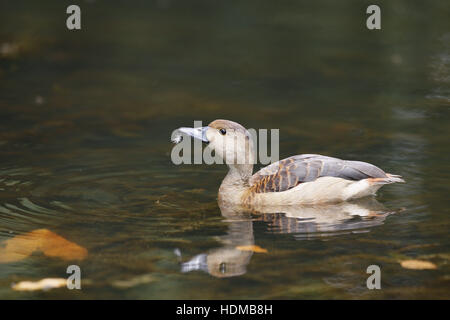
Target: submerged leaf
{"x":418,"y":265}
{"x":44,"y":240}
{"x":138,"y":280}
{"x":44,"y":284}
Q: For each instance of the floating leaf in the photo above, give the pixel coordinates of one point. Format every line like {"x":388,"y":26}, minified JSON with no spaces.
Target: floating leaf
{"x":418,"y":265}
{"x":253,"y":248}
{"x":138,"y":280}
{"x":44,"y":284}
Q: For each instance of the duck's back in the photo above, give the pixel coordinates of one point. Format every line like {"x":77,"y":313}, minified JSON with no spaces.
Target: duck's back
{"x":290,"y":172}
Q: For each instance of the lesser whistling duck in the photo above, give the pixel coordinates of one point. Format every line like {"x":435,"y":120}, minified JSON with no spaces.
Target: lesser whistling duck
{"x":300,"y":179}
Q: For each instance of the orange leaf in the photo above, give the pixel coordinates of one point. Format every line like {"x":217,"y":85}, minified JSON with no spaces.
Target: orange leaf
{"x":418,"y":265}
{"x":44,"y":240}
{"x":253,"y":248}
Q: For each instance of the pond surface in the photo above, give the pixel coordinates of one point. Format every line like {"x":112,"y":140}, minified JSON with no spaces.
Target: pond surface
{"x":85,"y":170}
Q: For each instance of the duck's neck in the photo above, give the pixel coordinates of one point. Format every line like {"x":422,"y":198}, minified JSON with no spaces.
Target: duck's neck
{"x":235,"y":183}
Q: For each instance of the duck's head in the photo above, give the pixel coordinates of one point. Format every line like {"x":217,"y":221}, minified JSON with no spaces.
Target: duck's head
{"x":229,"y":140}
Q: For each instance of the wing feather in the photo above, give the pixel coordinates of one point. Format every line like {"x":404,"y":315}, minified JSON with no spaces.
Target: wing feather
{"x":288,"y":173}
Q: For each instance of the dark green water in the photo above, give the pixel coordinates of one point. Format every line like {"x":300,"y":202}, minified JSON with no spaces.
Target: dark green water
{"x":85,"y":124}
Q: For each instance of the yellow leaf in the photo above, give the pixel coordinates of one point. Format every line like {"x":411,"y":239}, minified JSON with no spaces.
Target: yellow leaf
{"x":417,"y":264}
{"x":253,"y":248}
{"x":44,"y":284}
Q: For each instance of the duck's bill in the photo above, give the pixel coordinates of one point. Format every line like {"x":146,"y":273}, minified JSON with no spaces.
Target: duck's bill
{"x":197,"y":133}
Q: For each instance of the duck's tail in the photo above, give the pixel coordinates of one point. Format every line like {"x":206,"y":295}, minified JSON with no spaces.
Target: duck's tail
{"x":391,"y":178}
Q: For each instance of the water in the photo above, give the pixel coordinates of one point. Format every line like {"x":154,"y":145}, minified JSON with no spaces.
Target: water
{"x":85,"y":170}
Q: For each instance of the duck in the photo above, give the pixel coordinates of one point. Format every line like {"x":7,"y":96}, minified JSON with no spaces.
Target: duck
{"x":306,"y":179}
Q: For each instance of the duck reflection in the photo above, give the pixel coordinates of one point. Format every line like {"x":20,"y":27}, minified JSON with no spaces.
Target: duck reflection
{"x":232,"y":258}
{"x":324,"y":220}
{"x":228,"y":260}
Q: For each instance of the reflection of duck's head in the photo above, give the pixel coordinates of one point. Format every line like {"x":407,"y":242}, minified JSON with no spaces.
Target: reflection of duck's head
{"x":231,"y":259}
{"x":221,"y":262}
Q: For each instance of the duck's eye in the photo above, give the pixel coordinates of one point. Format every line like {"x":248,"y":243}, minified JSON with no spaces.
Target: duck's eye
{"x":223,"y":131}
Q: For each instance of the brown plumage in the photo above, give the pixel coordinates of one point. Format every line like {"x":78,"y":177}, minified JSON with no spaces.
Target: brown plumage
{"x":283,"y":178}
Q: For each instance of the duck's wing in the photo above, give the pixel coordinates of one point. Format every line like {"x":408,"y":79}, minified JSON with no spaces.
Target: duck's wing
{"x":288,"y":173}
